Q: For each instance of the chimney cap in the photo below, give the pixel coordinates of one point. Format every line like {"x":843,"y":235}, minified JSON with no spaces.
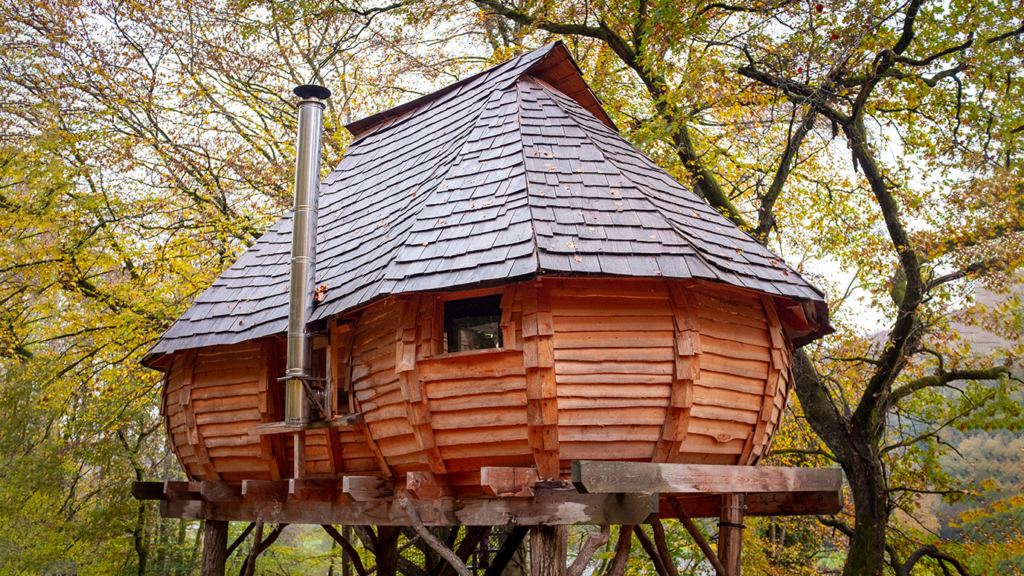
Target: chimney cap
{"x":312,"y":91}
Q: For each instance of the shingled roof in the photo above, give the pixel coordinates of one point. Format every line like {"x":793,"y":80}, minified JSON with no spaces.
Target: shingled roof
{"x":513,"y":173}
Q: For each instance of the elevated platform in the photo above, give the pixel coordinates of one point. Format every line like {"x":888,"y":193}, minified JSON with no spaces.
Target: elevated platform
{"x":598,"y":493}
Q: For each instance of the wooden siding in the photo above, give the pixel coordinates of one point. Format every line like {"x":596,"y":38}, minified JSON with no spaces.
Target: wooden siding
{"x":591,"y":369}
{"x":378,"y":391}
{"x":614,"y":366}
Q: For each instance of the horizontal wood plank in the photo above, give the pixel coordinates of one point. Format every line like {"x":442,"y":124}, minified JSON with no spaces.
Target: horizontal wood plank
{"x":611,"y":477}
{"x":282,"y":428}
{"x":554,"y":509}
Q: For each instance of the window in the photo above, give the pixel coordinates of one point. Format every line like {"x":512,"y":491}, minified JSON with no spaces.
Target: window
{"x":472,"y":324}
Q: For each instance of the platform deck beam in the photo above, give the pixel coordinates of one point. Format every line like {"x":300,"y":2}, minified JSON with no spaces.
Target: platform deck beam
{"x":613,"y":477}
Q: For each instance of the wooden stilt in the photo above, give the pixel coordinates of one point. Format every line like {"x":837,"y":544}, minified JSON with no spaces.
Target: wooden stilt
{"x":387,"y":550}
{"x":300,"y":454}
{"x":215,"y":548}
{"x":548,"y":550}
{"x":730,"y":533}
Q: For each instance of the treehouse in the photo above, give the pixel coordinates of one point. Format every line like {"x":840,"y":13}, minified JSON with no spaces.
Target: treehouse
{"x":491,"y":279}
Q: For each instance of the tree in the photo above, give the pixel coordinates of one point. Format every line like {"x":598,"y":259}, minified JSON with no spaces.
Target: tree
{"x":144,"y":147}
{"x":926,"y":100}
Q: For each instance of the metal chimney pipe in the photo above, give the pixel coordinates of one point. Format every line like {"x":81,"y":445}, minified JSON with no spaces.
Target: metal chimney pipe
{"x":303,"y":264}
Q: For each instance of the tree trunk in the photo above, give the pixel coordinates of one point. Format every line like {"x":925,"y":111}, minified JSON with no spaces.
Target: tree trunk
{"x":871,"y":515}
{"x":387,"y":551}
{"x":548,"y":550}
{"x":856,"y":450}
{"x":215,"y":548}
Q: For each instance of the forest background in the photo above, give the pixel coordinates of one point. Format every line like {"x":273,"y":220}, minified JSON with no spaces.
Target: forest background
{"x":875,"y":144}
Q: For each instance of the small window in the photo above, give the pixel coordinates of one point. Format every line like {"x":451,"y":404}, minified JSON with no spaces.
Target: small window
{"x":472,"y":324}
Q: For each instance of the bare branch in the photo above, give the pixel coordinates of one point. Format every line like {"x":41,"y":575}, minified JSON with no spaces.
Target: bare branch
{"x":933,"y":552}
{"x":944,"y":378}
{"x":964,"y":272}
{"x":431,"y":540}
{"x":594,"y":541}
{"x":347,"y":548}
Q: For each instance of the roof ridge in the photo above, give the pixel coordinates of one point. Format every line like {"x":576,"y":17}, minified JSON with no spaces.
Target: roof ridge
{"x":526,"y":171}
{"x":389,"y":117}
{"x":552,"y":91}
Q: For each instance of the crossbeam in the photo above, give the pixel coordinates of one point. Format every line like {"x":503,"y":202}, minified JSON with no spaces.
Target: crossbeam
{"x":368,"y":498}
{"x":613,"y":477}
{"x":562,"y":509}
{"x":283,"y":428}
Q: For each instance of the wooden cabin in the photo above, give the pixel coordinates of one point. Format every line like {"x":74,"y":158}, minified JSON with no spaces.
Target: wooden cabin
{"x":502,"y":280}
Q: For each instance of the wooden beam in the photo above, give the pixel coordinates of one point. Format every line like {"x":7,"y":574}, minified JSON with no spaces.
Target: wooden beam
{"x":417,"y":407}
{"x":148,"y":491}
{"x":282,"y":428}
{"x":309,"y":490}
{"x":613,"y":477}
{"x":769,"y":504}
{"x":551,"y":510}
{"x":539,"y":362}
{"x":183,"y":490}
{"x":265,"y":490}
{"x":428,"y":486}
{"x":686,"y":325}
{"x":272,"y":448}
{"x":368,"y":488}
{"x":508,"y":482}
{"x":377,"y":489}
{"x":220,"y":492}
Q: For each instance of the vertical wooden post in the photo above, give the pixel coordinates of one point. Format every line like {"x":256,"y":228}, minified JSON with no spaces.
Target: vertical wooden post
{"x":300,"y":454}
{"x":548,"y":550}
{"x":215,"y":548}
{"x":387,"y":551}
{"x":730,"y":533}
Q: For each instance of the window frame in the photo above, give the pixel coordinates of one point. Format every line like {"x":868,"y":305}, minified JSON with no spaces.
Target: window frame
{"x":439,"y":326}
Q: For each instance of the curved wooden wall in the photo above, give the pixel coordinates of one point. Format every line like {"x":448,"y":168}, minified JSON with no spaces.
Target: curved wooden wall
{"x":596,"y":369}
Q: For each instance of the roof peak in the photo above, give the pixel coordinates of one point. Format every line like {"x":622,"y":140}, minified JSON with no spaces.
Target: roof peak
{"x":551,"y":63}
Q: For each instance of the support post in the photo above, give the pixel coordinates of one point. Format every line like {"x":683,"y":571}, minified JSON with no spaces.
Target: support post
{"x":387,"y":551}
{"x":300,"y":454}
{"x":215,"y":548}
{"x":730,"y":533}
{"x":548,"y":550}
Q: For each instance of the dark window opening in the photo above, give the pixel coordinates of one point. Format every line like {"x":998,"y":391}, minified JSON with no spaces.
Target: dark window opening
{"x":472,"y":324}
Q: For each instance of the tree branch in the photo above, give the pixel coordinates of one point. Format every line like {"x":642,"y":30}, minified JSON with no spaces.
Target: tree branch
{"x":969,"y":270}
{"x":431,"y":540}
{"x":594,"y":541}
{"x":652,"y":551}
{"x":347,"y":548}
{"x":933,"y":552}
{"x":716,"y":563}
{"x":944,"y":378}
{"x":766,"y":209}
{"x":622,"y":548}
{"x":928,"y":60}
